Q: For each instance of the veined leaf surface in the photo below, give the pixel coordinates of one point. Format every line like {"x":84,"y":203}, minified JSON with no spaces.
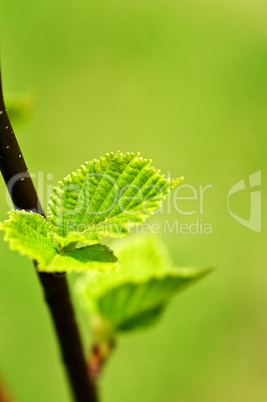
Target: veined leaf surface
{"x":30,"y":234}
{"x":106,"y":197}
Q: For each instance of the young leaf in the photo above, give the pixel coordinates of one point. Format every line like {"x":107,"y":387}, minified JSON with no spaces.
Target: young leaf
{"x":137,"y":294}
{"x":132,"y":305}
{"x":106,"y":197}
{"x":30,"y":234}
{"x":84,"y":259}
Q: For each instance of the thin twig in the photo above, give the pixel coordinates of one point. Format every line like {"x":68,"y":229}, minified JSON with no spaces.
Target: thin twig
{"x":24,"y":196}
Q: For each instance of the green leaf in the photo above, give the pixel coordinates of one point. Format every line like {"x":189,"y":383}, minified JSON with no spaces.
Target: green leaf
{"x":83,"y":259}
{"x":30,"y":234}
{"x":136,"y":295}
{"x":132,"y":305}
{"x":147,"y":318}
{"x":106,"y":197}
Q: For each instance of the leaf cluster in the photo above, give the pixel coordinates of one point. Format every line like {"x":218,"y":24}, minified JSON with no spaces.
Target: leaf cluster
{"x":105,"y":197}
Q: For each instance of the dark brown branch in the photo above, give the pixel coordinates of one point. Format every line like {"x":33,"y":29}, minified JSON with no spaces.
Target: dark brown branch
{"x":23,"y":194}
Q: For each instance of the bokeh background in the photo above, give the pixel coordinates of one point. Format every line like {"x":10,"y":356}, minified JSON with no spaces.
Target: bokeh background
{"x":184,"y":83}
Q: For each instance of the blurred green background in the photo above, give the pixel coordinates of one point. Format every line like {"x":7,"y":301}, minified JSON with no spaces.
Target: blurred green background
{"x":184,"y":83}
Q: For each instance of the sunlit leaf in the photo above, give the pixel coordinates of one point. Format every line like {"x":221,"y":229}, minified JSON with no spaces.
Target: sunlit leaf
{"x":84,"y":259}
{"x":106,"y":197}
{"x":30,"y":234}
